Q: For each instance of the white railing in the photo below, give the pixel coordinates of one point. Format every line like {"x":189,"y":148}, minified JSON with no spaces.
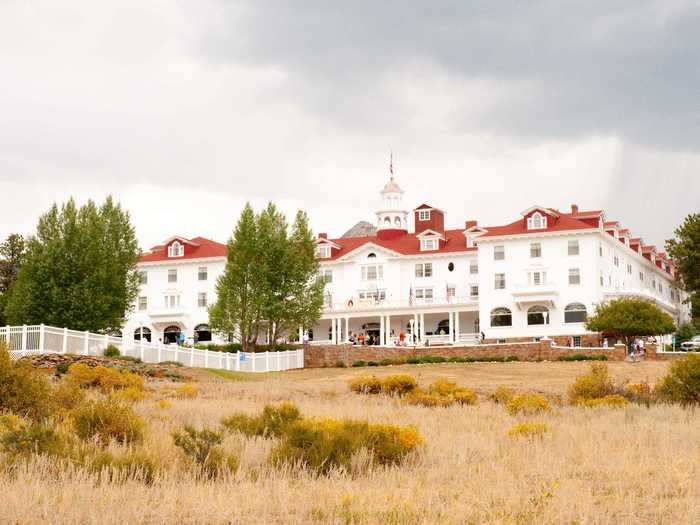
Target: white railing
{"x":372,"y":304}
{"x":27,"y":340}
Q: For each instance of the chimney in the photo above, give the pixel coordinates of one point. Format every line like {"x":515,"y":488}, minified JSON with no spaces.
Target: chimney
{"x":469,"y":224}
{"x":574,"y":209}
{"x":323,"y":236}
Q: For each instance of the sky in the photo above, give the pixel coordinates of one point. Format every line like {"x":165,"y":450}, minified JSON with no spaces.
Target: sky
{"x":183,"y":111}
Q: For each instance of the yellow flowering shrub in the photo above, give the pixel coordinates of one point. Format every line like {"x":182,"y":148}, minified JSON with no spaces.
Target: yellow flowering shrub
{"x":186,"y":391}
{"x":107,"y":379}
{"x":527,"y":404}
{"x":612,"y":401}
{"x":528,"y":430}
{"x":502,"y":395}
{"x":398,"y":385}
{"x":593,"y":385}
{"x":366,"y":385}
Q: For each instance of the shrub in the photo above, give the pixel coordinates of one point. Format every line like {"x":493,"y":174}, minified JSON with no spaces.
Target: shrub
{"x":67,"y":396}
{"x":129,"y":395}
{"x":682,"y":384}
{"x":398,"y":385}
{"x":413,"y":360}
{"x":107,"y":379}
{"x":584,"y":357}
{"x":35,"y":438}
{"x":366,"y":385}
{"x":340,"y":364}
{"x":23,"y":390}
{"x":134,"y":465}
{"x":11,"y":422}
{"x":107,"y":419}
{"x":111,"y":351}
{"x":372,"y":363}
{"x":324,"y":444}
{"x":358,"y":364}
{"x":612,"y":401}
{"x":443,"y":387}
{"x":595,"y":384}
{"x":528,"y":404}
{"x":203,"y":447}
{"x":186,"y":391}
{"x":443,"y":393}
{"x":464,"y":396}
{"x":163,"y":404}
{"x":528,"y":430}
{"x":422,"y":398}
{"x":273,"y":420}
{"x":502,"y":395}
{"x":639,"y":393}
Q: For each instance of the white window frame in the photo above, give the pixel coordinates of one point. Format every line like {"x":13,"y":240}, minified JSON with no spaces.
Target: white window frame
{"x":376,"y":269}
{"x":372,"y":295}
{"x":574,"y":276}
{"x":172,"y":301}
{"x":326,"y":275}
{"x":577,"y":248}
{"x":535,"y":250}
{"x":176,"y":249}
{"x":172,"y":275}
{"x":499,"y":278}
{"x":323,"y":251}
{"x":429,"y":244}
{"x":424,"y":294}
{"x":143,"y":303}
{"x":424,"y":270}
{"x":143,"y":277}
{"x":537,"y":278}
{"x":537,"y":221}
{"x":474,"y":291}
{"x":205,"y":273}
{"x":423,"y":215}
{"x":474,"y":267}
{"x":200,"y":303}
{"x":499,"y":253}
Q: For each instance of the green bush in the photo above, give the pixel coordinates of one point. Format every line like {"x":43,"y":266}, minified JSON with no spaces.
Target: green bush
{"x":594,"y":385}
{"x":133,"y":465}
{"x":372,"y":363}
{"x":358,"y":364}
{"x":322,"y":445}
{"x":413,"y":360}
{"x":35,"y":438}
{"x":527,"y":404}
{"x":107,"y":419}
{"x":23,"y":390}
{"x":340,"y":364}
{"x":203,"y":447}
{"x":584,"y":357}
{"x":273,"y":420}
{"x":682,"y":384}
{"x":111,"y":351}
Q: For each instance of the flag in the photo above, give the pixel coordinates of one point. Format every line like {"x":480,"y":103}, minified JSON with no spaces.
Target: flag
{"x":391,"y":163}
{"x":410,"y":296}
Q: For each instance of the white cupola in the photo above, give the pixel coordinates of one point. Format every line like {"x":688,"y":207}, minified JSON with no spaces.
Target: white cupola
{"x":392,"y":218}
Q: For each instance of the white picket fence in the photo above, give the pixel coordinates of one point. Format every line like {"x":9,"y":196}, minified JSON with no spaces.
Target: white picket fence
{"x":40,"y":339}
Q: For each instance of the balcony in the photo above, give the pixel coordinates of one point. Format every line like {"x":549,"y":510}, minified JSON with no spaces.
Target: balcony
{"x":360,"y":305}
{"x":661,"y":302}
{"x":170,"y":312}
{"x":527,"y":293}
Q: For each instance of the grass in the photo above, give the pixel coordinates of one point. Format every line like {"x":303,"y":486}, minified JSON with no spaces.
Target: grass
{"x":604,"y":465}
{"x":231,"y":375}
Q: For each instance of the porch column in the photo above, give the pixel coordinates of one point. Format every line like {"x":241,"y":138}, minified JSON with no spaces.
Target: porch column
{"x":334,"y":335}
{"x":339,"y":330}
{"x":382,"y":331}
{"x":421,"y":332}
{"x":414,"y":332}
{"x":387,"y":334}
{"x":301,"y":335}
{"x":347,"y":330}
{"x":452,"y":327}
{"x":457,"y":332}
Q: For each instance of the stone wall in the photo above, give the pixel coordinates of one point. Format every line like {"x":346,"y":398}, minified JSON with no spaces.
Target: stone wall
{"x":320,"y":356}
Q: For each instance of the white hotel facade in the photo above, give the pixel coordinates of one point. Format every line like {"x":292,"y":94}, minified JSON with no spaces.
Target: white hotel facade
{"x":538,"y":276}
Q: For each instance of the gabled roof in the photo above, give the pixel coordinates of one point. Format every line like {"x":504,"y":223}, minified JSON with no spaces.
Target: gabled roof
{"x":425,"y":206}
{"x":178,"y":238}
{"x":430,"y":233}
{"x":325,"y":240}
{"x":611,"y":224}
{"x":198,"y":248}
{"x":565,"y":222}
{"x":547,"y":211}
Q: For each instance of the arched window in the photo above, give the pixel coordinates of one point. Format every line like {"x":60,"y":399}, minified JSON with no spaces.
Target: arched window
{"x":537,"y":315}
{"x":575,"y":313}
{"x":202,"y":333}
{"x":176,"y":250}
{"x":146,"y":334}
{"x":443,"y":327}
{"x":536,"y":221}
{"x":171,"y":334}
{"x":387,"y":221}
{"x":501,"y":317}
{"x":370,"y":255}
{"x":397,"y":222}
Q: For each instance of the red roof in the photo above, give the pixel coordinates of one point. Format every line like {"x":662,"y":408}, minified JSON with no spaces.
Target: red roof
{"x":565,"y":222}
{"x":198,"y":248}
{"x":407,"y":244}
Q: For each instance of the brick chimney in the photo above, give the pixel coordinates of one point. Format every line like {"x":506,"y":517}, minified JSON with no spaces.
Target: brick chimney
{"x":323,"y":236}
{"x":469,"y":224}
{"x":574,"y":209}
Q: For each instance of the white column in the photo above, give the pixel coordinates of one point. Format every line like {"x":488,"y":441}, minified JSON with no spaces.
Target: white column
{"x":339,"y":330}
{"x":457,"y":326}
{"x":387,"y":334}
{"x":382,"y":331}
{"x":334,"y":339}
{"x":422,"y":328}
{"x":347,"y":330}
{"x":452,"y":325}
{"x":414,"y":331}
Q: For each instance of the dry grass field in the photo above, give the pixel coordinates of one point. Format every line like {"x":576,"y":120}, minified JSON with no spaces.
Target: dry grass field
{"x":633,"y":465}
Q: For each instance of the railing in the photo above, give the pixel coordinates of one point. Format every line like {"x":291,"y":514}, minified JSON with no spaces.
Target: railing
{"x":371,"y":304}
{"x":460,"y":339}
{"x":26,"y":340}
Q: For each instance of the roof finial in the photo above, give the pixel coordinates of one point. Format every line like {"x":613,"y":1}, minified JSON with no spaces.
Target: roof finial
{"x":391,"y":164}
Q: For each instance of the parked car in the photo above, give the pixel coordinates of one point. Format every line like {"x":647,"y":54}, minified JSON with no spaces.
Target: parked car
{"x":691,"y":346}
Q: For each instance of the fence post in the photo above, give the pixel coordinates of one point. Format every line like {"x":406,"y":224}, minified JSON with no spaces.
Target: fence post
{"x":86,"y":343}
{"x":267,"y":361}
{"x":106,"y":343}
{"x":42,"y":337}
{"x":160,"y":354}
{"x":64,"y":343}
{"x":238,"y":361}
{"x":24,"y":337}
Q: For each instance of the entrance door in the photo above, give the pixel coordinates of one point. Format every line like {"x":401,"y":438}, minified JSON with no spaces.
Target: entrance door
{"x":171,"y":334}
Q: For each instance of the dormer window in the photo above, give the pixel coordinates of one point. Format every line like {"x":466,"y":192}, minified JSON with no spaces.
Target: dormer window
{"x":323,"y":251}
{"x":176,"y":250}
{"x":428,"y":244}
{"x":423,"y":215}
{"x":536,"y":221}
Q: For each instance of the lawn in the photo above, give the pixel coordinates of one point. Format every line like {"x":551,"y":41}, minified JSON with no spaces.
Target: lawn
{"x":601,"y":465}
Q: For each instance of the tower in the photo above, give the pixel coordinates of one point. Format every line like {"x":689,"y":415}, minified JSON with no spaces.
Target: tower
{"x":392,"y":218}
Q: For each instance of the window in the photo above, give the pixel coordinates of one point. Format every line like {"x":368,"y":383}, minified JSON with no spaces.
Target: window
{"x":172,"y":275}
{"x":143,"y":277}
{"x":176,"y":250}
{"x":323,"y":251}
{"x":499,"y":253}
{"x":172,"y":301}
{"x":470,"y":241}
{"x":500,"y":281}
{"x":326,"y":276}
{"x":451,"y":267}
{"x":424,"y":215}
{"x":573,"y":248}
{"x":616,"y":260}
{"x":661,"y":287}
{"x":535,"y":250}
{"x":372,"y":272}
{"x":371,"y":255}
{"x":474,"y":291}
{"x":202,"y":299}
{"x":474,"y":266}
{"x":600,"y":250}
{"x":577,"y":341}
{"x":602,"y":283}
{"x":428,"y":244}
{"x":641,"y":276}
{"x":397,"y":222}
{"x":374,"y":295}
{"x":424,"y":270}
{"x":629,"y":269}
{"x":146,"y":332}
{"x":424,"y":295}
{"x":575,"y":313}
{"x":574,"y":276}
{"x":501,"y":317}
{"x":450,"y":292}
{"x":537,"y":278}
{"x":653,"y":284}
{"x":536,"y":221}
{"x":143,"y":303}
{"x":500,"y":341}
{"x":202,"y":273}
{"x":537,"y":315}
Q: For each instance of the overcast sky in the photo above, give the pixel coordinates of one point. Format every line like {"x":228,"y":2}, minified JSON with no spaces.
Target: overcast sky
{"x":184,"y":110}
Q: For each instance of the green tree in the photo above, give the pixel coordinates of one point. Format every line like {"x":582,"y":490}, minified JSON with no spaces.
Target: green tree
{"x":685,"y":252}
{"x":630,"y":317}
{"x":11,"y":254}
{"x":79,"y":270}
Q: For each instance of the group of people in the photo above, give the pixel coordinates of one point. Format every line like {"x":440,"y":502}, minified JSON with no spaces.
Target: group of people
{"x":637,"y":350}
